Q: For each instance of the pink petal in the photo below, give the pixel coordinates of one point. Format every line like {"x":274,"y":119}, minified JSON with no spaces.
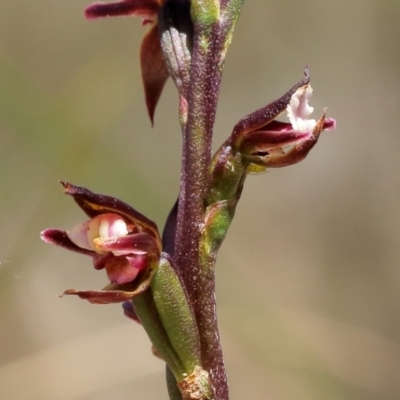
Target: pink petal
{"x":60,"y":238}
{"x":138,"y":243}
{"x":120,"y":270}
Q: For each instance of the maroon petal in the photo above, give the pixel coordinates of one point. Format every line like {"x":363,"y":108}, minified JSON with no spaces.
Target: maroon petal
{"x":154,"y":70}
{"x":60,"y":238}
{"x":138,"y":243}
{"x":144,"y":8}
{"x":100,"y":260}
{"x":122,"y":270}
{"x":263,"y":140}
{"x":94,"y":204}
{"x":138,"y":262}
{"x":298,"y":152}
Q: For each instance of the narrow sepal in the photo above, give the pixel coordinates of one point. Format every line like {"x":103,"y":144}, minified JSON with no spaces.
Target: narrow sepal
{"x":144,"y":8}
{"x":115,"y":293}
{"x":154,"y":70}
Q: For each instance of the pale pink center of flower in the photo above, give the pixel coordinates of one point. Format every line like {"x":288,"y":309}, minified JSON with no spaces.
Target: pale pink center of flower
{"x":112,"y":225}
{"x":103,"y":226}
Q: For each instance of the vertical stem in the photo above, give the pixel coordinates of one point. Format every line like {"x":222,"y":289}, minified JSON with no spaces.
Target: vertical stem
{"x":196,"y":155}
{"x":197,"y":140}
{"x":211,"y":39}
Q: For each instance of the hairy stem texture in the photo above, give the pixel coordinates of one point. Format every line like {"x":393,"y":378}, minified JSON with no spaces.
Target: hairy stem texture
{"x":197,"y":140}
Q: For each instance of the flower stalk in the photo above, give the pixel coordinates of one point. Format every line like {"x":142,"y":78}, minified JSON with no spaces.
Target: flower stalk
{"x":167,"y":282}
{"x":211,"y":37}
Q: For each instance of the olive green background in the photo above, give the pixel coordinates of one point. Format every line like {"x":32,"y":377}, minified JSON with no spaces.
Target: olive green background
{"x":309,"y":275}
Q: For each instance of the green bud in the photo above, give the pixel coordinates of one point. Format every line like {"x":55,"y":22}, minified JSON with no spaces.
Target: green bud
{"x":176,"y":314}
{"x":217,"y":221}
{"x":150,"y":319}
{"x":228,"y":169}
{"x":205,"y":12}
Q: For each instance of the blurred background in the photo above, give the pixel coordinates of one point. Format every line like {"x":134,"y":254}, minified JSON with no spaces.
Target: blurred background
{"x":309,"y":275}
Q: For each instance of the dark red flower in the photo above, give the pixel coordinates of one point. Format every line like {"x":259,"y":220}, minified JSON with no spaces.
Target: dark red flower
{"x":118,"y":238}
{"x":266,"y":142}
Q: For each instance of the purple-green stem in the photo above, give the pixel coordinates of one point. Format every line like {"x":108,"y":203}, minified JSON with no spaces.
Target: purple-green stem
{"x":209,"y":48}
{"x":196,"y":157}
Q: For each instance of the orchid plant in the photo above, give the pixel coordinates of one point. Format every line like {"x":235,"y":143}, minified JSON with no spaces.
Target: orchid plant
{"x":166,"y":281}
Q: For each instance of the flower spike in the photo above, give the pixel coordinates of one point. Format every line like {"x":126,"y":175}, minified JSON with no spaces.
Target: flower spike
{"x":168,"y":284}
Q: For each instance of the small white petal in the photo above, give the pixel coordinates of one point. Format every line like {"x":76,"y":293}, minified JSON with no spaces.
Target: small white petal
{"x":298,"y":110}
{"x":112,"y":225}
{"x":118,"y":228}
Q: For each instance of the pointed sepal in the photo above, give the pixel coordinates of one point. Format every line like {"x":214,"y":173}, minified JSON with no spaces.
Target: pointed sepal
{"x":147,"y":9}
{"x":154,"y":70}
{"x":115,"y":293}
